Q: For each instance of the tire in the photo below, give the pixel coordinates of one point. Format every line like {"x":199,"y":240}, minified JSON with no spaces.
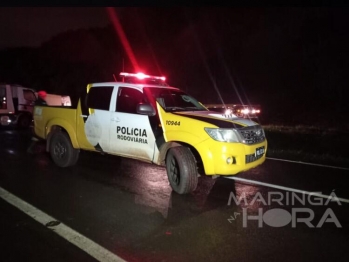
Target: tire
{"x":61,"y":150}
{"x":181,"y":170}
{"x":24,"y":121}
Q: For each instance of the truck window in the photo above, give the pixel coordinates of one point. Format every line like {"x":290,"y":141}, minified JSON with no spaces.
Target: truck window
{"x":3,"y":98}
{"x":174,"y":100}
{"x":128,"y":99}
{"x":99,"y":97}
{"x":29,"y":95}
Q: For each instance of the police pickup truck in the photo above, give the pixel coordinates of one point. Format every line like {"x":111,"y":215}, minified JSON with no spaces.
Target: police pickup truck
{"x":143,"y":118}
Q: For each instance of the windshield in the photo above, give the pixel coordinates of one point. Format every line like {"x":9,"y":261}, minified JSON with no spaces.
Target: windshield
{"x":174,"y":99}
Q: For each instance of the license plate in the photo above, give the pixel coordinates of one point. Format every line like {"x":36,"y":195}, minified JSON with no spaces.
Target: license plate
{"x":260,"y":151}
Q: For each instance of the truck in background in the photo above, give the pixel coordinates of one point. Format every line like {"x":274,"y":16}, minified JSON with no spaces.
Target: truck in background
{"x":17,"y":104}
{"x":57,"y":100}
{"x":243,"y":111}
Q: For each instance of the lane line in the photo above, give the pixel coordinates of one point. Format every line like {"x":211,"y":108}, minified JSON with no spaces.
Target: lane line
{"x":82,"y":242}
{"x":288,"y":189}
{"x":307,"y":163}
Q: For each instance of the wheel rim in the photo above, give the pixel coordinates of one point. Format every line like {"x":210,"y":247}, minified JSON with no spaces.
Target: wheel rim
{"x":59,"y":150}
{"x":174,"y":171}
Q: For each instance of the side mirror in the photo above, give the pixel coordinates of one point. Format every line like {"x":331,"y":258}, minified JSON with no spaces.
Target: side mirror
{"x":145,"y":109}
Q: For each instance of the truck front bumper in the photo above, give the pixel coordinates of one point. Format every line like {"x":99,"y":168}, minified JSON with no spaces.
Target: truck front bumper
{"x":8,"y":119}
{"x":221,"y":158}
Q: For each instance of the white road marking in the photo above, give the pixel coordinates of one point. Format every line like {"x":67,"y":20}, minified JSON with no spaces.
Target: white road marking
{"x":82,"y":242}
{"x":306,"y":163}
{"x":287,"y":188}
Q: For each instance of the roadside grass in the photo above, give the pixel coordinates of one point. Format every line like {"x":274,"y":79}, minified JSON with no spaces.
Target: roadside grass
{"x":314,"y":144}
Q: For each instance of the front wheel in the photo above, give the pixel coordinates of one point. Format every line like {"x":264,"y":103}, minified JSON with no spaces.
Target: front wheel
{"x":181,"y":170}
{"x":61,"y":150}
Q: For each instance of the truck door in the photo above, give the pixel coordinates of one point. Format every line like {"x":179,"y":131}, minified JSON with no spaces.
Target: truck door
{"x":94,"y":121}
{"x":131,"y":133}
{"x":26,"y":100}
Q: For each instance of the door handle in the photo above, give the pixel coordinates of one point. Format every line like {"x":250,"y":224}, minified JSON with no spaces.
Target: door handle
{"x":84,"y":116}
{"x":116,"y":119}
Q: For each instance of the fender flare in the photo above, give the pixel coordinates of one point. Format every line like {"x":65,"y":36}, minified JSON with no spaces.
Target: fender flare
{"x":62,"y":124}
{"x":183,"y":139}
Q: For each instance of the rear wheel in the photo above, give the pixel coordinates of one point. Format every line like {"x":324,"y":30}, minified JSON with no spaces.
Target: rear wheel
{"x":61,"y":150}
{"x":181,"y":170}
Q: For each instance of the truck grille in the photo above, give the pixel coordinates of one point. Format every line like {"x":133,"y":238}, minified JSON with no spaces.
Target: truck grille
{"x":251,"y":158}
{"x":252,"y":134}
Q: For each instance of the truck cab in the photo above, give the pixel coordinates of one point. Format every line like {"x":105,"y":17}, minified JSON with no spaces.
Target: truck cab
{"x":150,"y":121}
{"x":17,"y":103}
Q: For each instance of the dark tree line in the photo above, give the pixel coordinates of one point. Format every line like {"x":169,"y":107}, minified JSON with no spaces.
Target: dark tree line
{"x":292,"y":61}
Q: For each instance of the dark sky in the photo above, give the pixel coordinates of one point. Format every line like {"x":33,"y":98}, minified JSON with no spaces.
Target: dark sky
{"x":279,"y":54}
{"x":30,"y":26}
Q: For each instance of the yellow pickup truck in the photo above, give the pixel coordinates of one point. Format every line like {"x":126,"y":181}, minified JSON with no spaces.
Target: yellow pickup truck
{"x":145,"y":119}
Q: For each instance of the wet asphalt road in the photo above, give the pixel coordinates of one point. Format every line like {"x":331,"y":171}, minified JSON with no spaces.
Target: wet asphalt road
{"x":127,"y":207}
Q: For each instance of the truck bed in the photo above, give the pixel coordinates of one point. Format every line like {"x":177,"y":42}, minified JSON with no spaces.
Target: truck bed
{"x":47,"y":116}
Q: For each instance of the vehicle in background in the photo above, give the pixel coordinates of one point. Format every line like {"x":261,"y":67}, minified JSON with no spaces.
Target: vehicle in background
{"x":244,"y":111}
{"x":145,"y":119}
{"x":54,"y":100}
{"x":17,"y":104}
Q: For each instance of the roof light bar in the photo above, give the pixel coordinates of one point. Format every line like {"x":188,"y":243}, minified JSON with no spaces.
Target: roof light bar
{"x":142,"y":76}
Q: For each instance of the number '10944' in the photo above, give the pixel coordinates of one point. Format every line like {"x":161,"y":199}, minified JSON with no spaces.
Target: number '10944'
{"x":173,"y":123}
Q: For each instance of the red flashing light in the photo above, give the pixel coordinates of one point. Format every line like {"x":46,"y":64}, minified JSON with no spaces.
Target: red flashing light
{"x":42,"y":94}
{"x":142,"y":76}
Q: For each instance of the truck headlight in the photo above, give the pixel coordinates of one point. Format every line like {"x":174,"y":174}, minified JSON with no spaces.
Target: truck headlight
{"x":228,"y":112}
{"x":245,"y":111}
{"x":223,"y":135}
